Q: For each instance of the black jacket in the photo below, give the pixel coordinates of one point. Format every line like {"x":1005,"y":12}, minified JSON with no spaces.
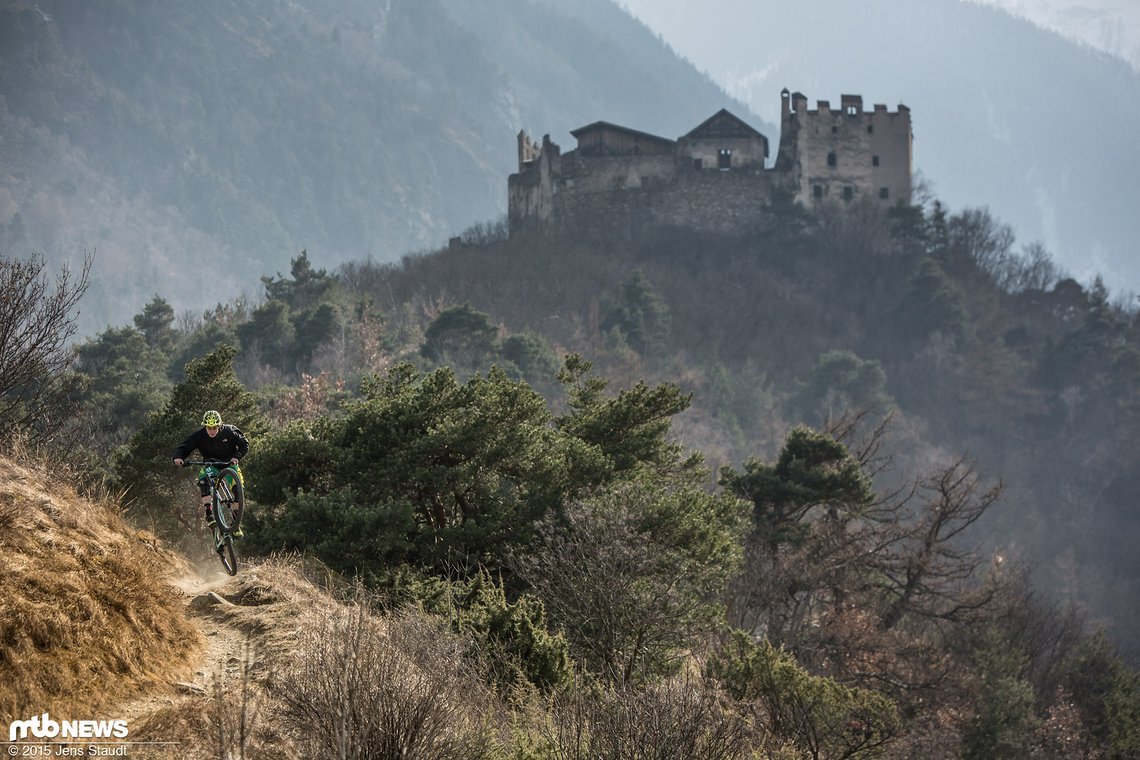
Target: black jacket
{"x":229,"y":443}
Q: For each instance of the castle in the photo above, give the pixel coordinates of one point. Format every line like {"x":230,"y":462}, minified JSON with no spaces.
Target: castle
{"x":716,"y":178}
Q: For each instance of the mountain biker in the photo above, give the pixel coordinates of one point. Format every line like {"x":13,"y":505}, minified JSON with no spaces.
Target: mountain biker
{"x":219,"y":443}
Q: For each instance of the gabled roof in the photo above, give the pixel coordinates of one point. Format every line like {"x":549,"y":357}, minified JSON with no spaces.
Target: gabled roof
{"x":724,"y":124}
{"x":600,"y":125}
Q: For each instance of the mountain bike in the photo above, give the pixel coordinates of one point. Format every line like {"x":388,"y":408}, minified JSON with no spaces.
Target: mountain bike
{"x":222,"y":481}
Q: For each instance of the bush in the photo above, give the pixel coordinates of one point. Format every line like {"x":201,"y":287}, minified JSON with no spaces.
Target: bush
{"x":678,"y":718}
{"x":815,"y":715}
{"x":514,"y":638}
{"x":398,"y":688}
{"x":634,"y":575}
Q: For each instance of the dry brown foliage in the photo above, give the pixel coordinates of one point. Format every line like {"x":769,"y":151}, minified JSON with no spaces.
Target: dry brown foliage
{"x":361,"y":686}
{"x":85,"y":614}
{"x":681,"y":717}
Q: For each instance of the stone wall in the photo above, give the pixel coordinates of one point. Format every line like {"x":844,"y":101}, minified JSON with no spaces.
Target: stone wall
{"x":713,"y":201}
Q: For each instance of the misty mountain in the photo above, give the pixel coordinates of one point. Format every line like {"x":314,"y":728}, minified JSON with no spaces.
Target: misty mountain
{"x":195,"y":147}
{"x":1006,"y":114}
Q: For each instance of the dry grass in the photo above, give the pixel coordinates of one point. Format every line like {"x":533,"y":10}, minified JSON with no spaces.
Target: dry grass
{"x":86,"y":614}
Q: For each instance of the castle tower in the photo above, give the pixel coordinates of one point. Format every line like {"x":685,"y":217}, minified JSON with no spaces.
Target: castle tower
{"x":845,"y":153}
{"x":530,"y":191}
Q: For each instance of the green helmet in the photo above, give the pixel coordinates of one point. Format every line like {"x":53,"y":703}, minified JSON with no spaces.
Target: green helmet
{"x":211,"y":419}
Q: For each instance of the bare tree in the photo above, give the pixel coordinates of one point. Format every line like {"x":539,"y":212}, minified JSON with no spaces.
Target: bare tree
{"x":37,"y":319}
{"x":929,"y":572}
{"x":1033,"y":270}
{"x":868,"y":588}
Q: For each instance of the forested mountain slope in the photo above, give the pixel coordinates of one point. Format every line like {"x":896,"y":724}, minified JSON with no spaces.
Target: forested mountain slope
{"x":982,"y":352}
{"x":930,"y":316}
{"x":217,"y":139}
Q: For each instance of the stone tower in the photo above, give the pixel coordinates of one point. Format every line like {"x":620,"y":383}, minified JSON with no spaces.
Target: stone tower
{"x":845,"y":153}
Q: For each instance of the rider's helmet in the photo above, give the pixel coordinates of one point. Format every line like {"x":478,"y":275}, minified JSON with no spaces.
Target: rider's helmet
{"x":211,"y":419}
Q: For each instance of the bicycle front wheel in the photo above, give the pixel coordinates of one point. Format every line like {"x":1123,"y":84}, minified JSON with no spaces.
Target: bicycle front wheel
{"x":226,"y":510}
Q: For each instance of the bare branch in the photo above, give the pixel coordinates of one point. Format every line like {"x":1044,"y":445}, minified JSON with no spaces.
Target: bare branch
{"x":37,"y":319}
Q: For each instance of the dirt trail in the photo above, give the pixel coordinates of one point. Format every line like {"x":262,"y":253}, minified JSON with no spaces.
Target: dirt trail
{"x":221,"y":658}
{"x":249,"y":625}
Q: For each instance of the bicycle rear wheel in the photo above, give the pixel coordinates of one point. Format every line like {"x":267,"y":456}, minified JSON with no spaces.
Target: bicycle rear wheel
{"x":224,"y":544}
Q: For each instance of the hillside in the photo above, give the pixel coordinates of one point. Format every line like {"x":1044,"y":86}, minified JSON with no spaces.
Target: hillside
{"x":932,"y":316}
{"x":101,"y":621}
{"x":87,"y":616}
{"x":1003,"y":374}
{"x":225,"y":139}
{"x":287,"y":660}
{"x":571,"y":553}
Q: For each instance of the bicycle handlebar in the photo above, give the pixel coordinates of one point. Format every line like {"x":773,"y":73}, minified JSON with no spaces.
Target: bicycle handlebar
{"x":206,"y":462}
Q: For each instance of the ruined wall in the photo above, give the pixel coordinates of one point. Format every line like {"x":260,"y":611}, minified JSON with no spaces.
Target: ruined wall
{"x":529,"y":150}
{"x":711,"y":201}
{"x":589,"y":174}
{"x":530,"y":191}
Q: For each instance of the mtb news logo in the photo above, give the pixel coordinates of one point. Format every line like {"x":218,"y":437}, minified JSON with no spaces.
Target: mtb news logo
{"x":43,"y":727}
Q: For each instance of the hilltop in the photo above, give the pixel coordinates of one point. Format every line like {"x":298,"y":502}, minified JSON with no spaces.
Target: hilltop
{"x":1010,"y":116}
{"x":203,"y":138}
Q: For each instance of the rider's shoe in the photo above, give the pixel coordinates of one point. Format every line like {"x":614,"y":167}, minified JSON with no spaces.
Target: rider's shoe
{"x":238,"y":533}
{"x":209,"y":519}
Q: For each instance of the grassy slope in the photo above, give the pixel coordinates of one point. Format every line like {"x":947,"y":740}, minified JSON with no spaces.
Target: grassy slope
{"x":86,"y":615}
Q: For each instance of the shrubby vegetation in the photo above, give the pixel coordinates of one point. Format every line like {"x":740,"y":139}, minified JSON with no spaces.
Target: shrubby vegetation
{"x":731,"y":511}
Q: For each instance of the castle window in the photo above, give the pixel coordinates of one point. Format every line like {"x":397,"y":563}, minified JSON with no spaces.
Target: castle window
{"x":832,"y":160}
{"x":834,"y":129}
{"x":848,"y":193}
{"x":724,"y":159}
{"x":874,"y":160}
{"x":884,"y":193}
{"x":698,"y":163}
{"x":870,"y":129}
{"x":852,"y":110}
{"x":817,"y":191}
